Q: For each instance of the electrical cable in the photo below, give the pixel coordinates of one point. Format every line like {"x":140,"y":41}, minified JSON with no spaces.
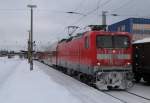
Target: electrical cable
{"x":90,"y":12}
{"x":122,"y":6}
{"x":79,"y":5}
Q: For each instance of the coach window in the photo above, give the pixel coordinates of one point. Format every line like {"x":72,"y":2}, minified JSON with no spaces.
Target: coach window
{"x":86,"y":42}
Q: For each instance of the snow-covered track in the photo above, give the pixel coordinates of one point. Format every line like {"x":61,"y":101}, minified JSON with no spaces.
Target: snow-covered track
{"x":82,"y":91}
{"x":138,"y":95}
{"x":123,"y":101}
{"x":128,"y":97}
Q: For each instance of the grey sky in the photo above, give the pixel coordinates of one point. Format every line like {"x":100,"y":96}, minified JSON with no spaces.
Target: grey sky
{"x":50,"y":18}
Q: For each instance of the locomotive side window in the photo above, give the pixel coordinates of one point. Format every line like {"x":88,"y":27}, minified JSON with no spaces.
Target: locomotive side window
{"x":109,"y":41}
{"x":86,"y":42}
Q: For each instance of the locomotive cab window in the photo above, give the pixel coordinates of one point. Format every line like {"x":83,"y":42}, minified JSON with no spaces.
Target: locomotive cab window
{"x":86,"y":42}
{"x":109,"y":41}
{"x":104,"y":41}
{"x":121,"y":41}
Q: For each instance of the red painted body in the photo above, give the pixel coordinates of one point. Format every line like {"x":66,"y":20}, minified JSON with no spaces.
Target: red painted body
{"x":104,"y":66}
{"x":74,"y":55}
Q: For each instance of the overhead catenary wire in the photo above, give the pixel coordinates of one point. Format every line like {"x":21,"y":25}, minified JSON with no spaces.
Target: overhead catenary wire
{"x":89,"y":13}
{"x":79,"y":5}
{"x":122,"y":6}
{"x":92,"y":11}
{"x":114,"y":10}
{"x":98,"y":3}
{"x":13,"y":9}
{"x":26,"y":10}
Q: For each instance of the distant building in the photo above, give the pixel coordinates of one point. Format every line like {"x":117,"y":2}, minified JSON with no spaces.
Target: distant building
{"x":139,"y":27}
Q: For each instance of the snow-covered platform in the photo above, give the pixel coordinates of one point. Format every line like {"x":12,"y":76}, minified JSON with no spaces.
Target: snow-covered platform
{"x":43,"y":85}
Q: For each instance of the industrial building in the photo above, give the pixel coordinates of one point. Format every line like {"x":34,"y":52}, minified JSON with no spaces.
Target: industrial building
{"x":138,"y":27}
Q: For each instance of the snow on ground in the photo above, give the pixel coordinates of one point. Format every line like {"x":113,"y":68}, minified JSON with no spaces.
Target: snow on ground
{"x":6,"y":68}
{"x":144,"y":40}
{"x":142,"y":89}
{"x":128,"y":98}
{"x":43,"y":85}
{"x":79,"y":90}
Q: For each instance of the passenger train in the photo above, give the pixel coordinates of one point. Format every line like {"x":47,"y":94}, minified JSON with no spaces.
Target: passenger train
{"x":98,"y":57}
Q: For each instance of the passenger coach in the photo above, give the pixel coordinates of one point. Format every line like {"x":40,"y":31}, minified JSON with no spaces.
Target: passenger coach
{"x":141,"y":56}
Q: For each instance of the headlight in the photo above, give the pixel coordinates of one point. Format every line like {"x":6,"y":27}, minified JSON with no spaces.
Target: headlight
{"x":98,"y":63}
{"x":128,"y":64}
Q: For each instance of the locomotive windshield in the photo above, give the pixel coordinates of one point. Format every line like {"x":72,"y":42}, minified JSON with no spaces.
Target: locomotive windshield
{"x":108,"y":41}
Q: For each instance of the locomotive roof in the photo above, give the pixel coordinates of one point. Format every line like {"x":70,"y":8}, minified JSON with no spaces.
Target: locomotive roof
{"x":78,"y":35}
{"x":145,"y":40}
{"x":70,"y":38}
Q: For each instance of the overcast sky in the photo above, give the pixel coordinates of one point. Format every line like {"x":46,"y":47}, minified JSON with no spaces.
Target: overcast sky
{"x":50,"y":19}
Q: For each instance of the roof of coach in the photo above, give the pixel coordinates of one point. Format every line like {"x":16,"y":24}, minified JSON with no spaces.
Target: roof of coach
{"x":144,"y":40}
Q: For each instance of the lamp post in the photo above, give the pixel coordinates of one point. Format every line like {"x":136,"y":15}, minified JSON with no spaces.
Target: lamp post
{"x":31,"y":37}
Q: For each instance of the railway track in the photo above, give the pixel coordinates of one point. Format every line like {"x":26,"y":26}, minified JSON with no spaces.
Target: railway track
{"x":127,"y":97}
{"x":123,"y":101}
{"x":123,"y":96}
{"x":138,"y":95}
{"x":134,"y":98}
{"x":147,"y":100}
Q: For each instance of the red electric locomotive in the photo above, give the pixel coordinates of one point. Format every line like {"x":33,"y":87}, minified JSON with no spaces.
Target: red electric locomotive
{"x":99,"y":57}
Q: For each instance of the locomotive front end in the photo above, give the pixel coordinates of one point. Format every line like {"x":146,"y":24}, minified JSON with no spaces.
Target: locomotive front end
{"x":114,"y":65}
